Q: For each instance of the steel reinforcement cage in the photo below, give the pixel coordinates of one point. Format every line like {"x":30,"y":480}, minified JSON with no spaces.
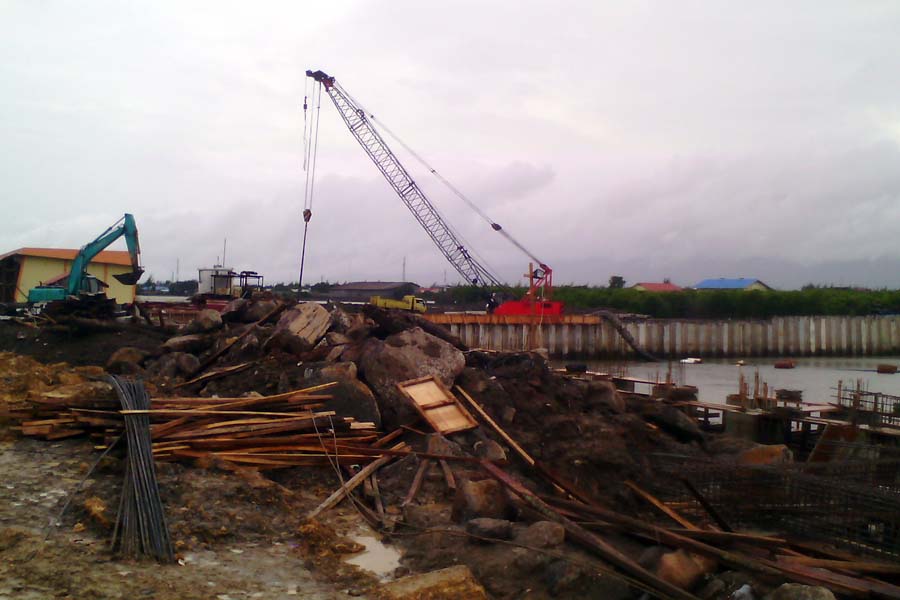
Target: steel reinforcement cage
{"x":852,"y":504}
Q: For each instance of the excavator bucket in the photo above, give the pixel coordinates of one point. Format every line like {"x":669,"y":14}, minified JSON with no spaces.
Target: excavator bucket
{"x":130,"y":278}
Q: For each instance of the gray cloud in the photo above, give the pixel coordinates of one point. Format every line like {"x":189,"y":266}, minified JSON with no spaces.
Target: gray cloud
{"x":678,"y":139}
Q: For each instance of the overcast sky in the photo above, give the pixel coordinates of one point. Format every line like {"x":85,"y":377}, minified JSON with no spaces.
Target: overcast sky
{"x":647,"y":139}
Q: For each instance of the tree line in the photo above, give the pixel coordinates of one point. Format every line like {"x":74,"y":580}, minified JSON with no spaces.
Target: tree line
{"x":708,"y":304}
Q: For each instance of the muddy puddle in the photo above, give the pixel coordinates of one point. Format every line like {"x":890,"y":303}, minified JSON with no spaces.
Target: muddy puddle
{"x":378,"y":558}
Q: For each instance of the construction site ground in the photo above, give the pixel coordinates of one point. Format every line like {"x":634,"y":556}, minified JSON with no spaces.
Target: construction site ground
{"x":241,"y":524}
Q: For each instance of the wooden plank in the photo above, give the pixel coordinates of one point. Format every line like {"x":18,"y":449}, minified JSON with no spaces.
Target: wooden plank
{"x":285,"y":396}
{"x":584,"y":537}
{"x":660,"y":505}
{"x":437,"y":405}
{"x":214,"y":374}
{"x":163,"y":412}
{"x":421,"y":472}
{"x":859,"y":566}
{"x":352,"y":483}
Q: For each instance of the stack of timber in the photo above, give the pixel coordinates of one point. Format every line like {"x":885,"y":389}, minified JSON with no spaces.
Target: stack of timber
{"x":265,"y":432}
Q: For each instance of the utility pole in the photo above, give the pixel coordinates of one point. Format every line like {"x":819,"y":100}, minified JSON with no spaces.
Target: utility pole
{"x":404,"y":270}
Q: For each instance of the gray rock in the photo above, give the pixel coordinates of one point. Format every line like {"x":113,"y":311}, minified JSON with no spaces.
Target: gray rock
{"x":542,"y":534}
{"x":206,"y":320}
{"x":529,"y":561}
{"x":475,"y":499}
{"x":258,"y":309}
{"x":674,"y":422}
{"x":490,"y":450}
{"x":126,"y":360}
{"x":186,"y":364}
{"x":561,"y":575}
{"x":193,"y":343}
{"x":234,"y":310}
{"x":712,"y":589}
{"x":796,"y":591}
{"x":603,"y":395}
{"x":350,"y":397}
{"x":406,"y":355}
{"x":300,"y":328}
{"x":500,"y":529}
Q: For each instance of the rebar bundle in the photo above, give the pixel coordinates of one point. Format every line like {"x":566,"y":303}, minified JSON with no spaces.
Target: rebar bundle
{"x":141,"y":528}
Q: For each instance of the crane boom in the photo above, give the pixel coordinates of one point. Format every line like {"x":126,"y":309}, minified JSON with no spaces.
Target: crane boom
{"x":397,"y":176}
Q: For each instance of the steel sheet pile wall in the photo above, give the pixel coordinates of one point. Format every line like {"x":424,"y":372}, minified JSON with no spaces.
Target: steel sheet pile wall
{"x":588,"y":336}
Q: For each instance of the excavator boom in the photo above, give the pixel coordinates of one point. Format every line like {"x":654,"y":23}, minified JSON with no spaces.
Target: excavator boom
{"x":124,"y":227}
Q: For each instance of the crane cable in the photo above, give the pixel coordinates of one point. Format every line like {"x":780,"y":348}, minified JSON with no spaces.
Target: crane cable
{"x":310,"y":153}
{"x":484,"y":269}
{"x":494,"y":225}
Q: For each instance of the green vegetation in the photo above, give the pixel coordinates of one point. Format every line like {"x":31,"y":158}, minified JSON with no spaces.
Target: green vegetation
{"x":712,"y":304}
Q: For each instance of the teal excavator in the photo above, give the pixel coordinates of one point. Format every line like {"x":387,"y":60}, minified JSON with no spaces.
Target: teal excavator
{"x":80,"y":284}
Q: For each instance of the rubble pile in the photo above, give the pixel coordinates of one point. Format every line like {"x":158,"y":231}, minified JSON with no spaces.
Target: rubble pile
{"x":547,"y":490}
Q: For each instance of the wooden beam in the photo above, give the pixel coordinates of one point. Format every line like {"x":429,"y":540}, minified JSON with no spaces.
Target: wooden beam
{"x":660,"y":505}
{"x":352,"y":483}
{"x":584,"y":537}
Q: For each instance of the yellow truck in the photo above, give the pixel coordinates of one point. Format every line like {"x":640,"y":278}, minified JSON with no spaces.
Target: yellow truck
{"x":410,"y":303}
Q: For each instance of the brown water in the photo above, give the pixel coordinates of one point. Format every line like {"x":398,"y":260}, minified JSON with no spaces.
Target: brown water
{"x":716,"y":378}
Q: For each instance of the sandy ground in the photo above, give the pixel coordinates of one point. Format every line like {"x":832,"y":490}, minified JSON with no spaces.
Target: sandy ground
{"x":35,"y":479}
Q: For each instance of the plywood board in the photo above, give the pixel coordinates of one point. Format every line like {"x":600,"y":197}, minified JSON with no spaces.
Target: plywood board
{"x":437,"y":405}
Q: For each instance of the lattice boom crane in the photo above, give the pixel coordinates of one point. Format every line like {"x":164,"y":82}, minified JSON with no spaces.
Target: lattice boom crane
{"x":416,"y":201}
{"x":537,"y":299}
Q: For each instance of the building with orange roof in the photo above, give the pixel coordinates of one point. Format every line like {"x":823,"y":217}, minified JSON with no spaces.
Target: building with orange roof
{"x":649,"y":286}
{"x":25,"y":268}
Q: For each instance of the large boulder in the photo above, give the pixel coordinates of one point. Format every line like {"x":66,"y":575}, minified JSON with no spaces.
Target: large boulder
{"x":684,"y":569}
{"x":193,"y":343}
{"x":602,"y":395}
{"x":300,"y":328}
{"x":485,"y":498}
{"x":674,"y":422}
{"x":234,"y":310}
{"x":126,"y":360}
{"x":542,"y":534}
{"x":206,"y":320}
{"x":350,"y":396}
{"x":258,"y":309}
{"x":389,"y":322}
{"x":406,"y":355}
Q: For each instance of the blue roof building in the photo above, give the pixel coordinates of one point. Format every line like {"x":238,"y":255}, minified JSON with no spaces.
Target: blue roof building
{"x":738,"y":283}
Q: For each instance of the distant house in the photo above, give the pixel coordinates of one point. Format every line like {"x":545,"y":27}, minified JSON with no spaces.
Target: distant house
{"x":665,"y":286}
{"x":739,"y":283}
{"x":363,"y":290}
{"x":25,"y":268}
